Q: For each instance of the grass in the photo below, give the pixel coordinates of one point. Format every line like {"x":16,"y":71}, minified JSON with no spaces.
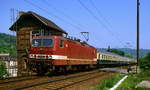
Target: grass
{"x":133,"y":79}
{"x":129,"y":84}
{"x":109,"y":83}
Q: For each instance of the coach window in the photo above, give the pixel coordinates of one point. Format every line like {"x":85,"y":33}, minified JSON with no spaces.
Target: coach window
{"x":61,"y":43}
{"x":100,"y":56}
{"x":103,"y":56}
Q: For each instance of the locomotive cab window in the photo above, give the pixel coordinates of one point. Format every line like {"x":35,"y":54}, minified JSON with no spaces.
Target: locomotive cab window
{"x":61,"y":43}
{"x":42,"y":42}
{"x":47,"y":42}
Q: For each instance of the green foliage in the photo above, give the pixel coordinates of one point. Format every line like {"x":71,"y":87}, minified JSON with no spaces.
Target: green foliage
{"x":128,"y":55}
{"x":3,"y":71}
{"x":109,"y":83}
{"x":145,"y":62}
{"x":129,"y":84}
{"x":133,"y":79}
{"x":116,"y":52}
{"x":8,"y":44}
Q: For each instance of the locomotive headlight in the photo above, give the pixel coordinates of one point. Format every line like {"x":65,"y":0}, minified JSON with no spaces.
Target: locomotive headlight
{"x":49,"y":57}
{"x":31,"y":55}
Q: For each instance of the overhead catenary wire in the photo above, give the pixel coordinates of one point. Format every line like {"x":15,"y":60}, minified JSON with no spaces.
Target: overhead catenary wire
{"x":64,"y":14}
{"x":83,"y":27}
{"x":98,"y":20}
{"x":104,"y":18}
{"x":77,"y":27}
{"x":100,"y":14}
{"x":107,"y":22}
{"x":51,"y":14}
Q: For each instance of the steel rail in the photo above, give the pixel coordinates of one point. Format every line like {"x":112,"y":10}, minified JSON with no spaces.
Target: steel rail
{"x":79,"y":81}
{"x":50,"y":81}
{"x":23,"y":78}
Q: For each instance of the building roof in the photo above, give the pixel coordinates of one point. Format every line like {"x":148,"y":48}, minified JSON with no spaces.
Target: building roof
{"x":43,"y":20}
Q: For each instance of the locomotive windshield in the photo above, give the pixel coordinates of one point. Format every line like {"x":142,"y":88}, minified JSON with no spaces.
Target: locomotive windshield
{"x":42,"y":42}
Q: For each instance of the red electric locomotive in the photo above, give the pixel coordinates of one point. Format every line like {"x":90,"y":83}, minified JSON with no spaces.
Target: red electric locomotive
{"x":60,"y":53}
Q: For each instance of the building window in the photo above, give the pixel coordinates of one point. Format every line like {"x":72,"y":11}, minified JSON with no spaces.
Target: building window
{"x":37,"y":32}
{"x":47,"y":33}
{"x":41,"y":32}
{"x":61,"y":43}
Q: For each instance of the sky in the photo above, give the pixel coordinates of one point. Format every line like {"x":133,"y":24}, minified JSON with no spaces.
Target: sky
{"x":109,"y":22}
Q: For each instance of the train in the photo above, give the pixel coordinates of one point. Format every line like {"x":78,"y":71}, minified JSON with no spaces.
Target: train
{"x":59,"y":53}
{"x":43,"y":47}
{"x":106,"y":58}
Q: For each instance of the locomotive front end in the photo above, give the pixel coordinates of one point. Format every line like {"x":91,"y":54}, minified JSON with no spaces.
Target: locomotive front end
{"x":41,"y":52}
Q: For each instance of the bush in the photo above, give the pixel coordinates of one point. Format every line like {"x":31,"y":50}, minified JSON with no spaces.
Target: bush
{"x":145,"y":62}
{"x":3,"y":71}
{"x":134,"y":79}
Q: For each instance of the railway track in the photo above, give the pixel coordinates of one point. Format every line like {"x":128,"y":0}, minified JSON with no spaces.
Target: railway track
{"x":61,"y":82}
{"x":8,"y":83}
{"x":16,"y":79}
{"x":71,"y":82}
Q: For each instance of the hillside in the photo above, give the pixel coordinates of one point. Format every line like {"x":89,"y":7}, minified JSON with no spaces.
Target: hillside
{"x":143,"y":52}
{"x":8,"y":44}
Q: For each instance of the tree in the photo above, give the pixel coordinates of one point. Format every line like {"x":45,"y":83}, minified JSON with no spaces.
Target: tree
{"x":3,"y":71}
{"x":8,"y":44}
{"x":128,"y":55}
{"x":121,"y":53}
{"x":145,"y":62}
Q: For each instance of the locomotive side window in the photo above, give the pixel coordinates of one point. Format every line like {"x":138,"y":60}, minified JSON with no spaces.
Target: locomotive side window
{"x":61,"y":43}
